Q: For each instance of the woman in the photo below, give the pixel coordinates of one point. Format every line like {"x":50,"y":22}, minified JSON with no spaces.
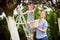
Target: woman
{"x":42,"y":27}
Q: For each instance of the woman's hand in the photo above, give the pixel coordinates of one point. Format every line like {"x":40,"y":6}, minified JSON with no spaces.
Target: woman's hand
{"x":35,"y":28}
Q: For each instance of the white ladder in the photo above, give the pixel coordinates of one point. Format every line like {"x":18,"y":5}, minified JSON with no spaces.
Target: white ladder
{"x":20,"y":20}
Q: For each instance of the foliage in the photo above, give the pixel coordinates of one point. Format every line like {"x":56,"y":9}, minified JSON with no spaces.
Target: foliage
{"x":52,"y":29}
{"x":52,"y":21}
{"x":4,"y":32}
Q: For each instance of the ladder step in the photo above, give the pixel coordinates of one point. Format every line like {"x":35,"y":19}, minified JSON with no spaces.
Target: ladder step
{"x":19,"y":23}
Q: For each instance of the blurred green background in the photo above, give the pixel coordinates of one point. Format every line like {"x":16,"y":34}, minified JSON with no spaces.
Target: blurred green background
{"x":52,"y":28}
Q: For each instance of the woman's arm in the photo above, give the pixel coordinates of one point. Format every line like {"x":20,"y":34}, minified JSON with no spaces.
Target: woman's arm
{"x":45,"y":26}
{"x":42,"y":30}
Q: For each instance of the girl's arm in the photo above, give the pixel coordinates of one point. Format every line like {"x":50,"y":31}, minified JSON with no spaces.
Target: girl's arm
{"x":34,"y":8}
{"x":25,"y":12}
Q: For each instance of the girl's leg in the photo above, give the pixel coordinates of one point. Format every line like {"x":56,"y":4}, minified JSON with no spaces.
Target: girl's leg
{"x":32,"y":35}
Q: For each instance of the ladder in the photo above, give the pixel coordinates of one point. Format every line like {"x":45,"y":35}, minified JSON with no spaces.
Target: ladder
{"x":20,"y":20}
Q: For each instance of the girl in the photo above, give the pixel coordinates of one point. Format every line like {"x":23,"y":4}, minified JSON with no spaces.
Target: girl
{"x":30,"y":16}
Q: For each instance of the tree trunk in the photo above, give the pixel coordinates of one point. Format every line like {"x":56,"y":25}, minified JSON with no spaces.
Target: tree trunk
{"x":59,"y":24}
{"x":58,"y":17}
{"x":12,"y":27}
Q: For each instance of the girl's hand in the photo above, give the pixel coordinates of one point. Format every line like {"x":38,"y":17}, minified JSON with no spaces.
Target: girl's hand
{"x":35,"y":6}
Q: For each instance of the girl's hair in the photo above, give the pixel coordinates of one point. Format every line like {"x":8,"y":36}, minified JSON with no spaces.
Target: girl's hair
{"x":29,"y":3}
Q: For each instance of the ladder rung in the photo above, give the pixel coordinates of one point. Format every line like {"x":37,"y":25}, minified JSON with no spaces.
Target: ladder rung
{"x":19,"y":23}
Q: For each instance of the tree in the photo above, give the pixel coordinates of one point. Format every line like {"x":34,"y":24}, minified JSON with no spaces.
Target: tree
{"x":7,"y":6}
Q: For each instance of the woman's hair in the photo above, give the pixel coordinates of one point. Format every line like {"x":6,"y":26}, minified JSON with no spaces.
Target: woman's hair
{"x":44,"y":11}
